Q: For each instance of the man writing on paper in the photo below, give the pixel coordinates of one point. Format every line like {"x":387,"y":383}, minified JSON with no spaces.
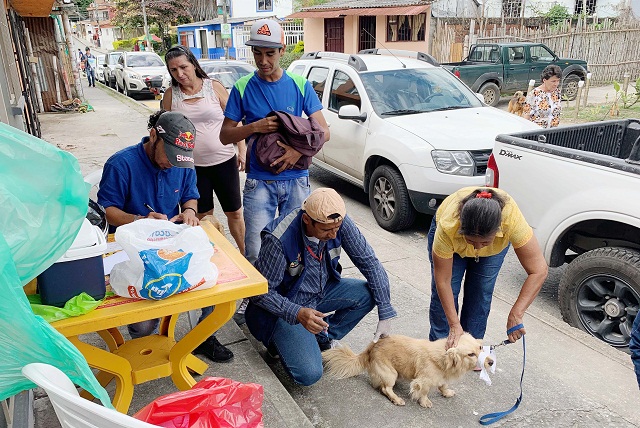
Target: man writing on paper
{"x":156,"y":179}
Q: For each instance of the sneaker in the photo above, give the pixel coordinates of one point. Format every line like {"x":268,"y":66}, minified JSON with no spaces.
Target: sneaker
{"x":238,"y":317}
{"x":214,"y":350}
{"x":272,"y":354}
{"x":331,"y":344}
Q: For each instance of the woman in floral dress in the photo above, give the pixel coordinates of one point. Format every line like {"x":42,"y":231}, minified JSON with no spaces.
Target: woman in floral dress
{"x":543,"y":103}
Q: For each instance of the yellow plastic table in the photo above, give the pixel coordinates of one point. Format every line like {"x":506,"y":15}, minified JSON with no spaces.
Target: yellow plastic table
{"x":147,"y":358}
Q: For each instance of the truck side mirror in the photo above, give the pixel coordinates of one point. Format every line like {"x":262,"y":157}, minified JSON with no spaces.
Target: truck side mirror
{"x":351,"y":112}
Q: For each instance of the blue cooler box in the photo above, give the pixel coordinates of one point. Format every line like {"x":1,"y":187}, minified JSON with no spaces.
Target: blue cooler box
{"x":79,"y":269}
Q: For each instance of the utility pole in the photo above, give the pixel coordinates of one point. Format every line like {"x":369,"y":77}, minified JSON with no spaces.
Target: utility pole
{"x":225,"y":16}
{"x":95,"y":7}
{"x":146,"y":28}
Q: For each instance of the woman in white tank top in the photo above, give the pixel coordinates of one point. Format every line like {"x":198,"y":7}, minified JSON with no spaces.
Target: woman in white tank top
{"x":202,"y":100}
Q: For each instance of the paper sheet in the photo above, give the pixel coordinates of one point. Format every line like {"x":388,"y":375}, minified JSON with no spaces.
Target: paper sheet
{"x":112,"y":260}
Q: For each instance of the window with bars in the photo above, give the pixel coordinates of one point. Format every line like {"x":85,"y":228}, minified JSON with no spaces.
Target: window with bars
{"x":410,"y":28}
{"x":512,"y":8}
{"x":265,"y":5}
{"x":589,"y":4}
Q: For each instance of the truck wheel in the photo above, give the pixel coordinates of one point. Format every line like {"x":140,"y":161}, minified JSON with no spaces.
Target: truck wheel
{"x":570,"y":87}
{"x":389,"y":199}
{"x":600,"y":293}
{"x":491,"y":94}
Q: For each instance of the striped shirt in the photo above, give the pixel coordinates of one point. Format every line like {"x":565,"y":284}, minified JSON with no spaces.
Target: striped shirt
{"x":272,"y":264}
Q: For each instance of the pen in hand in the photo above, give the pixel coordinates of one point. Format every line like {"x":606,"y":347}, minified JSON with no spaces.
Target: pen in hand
{"x":149,"y":207}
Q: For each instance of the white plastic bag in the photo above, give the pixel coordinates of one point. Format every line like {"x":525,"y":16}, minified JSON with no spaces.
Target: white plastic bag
{"x":164,"y":259}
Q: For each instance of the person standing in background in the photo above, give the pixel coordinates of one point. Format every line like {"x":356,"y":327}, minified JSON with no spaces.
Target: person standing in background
{"x":90,"y":64}
{"x":543,"y":103}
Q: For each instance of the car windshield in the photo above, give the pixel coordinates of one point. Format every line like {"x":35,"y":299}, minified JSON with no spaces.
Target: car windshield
{"x":114,"y":57}
{"x":227,"y":74}
{"x":412,"y":91}
{"x":144,"y":61}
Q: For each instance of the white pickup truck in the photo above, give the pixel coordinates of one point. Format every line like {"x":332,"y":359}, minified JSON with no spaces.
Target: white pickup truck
{"x":579,"y":188}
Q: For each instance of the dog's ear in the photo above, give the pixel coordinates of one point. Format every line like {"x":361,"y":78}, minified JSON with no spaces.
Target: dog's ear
{"x":452,"y":358}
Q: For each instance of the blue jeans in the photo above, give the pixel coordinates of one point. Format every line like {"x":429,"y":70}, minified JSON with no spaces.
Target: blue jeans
{"x":149,"y":327}
{"x":143,"y":328}
{"x":479,"y":281}
{"x":261,"y":199}
{"x":91,"y":76}
{"x":298,"y":348}
{"x":634,"y":346}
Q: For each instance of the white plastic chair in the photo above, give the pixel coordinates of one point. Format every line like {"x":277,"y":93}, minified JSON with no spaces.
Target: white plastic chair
{"x":72,"y":410}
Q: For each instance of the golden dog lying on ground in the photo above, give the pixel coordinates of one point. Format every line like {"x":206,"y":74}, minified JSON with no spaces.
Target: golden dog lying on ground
{"x":516,"y":103}
{"x":427,"y":364}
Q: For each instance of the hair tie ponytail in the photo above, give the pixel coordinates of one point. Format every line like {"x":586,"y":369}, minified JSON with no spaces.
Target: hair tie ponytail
{"x":484,"y":195}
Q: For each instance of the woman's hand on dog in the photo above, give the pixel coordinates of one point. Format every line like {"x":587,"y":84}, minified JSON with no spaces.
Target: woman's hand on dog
{"x":455,"y":331}
{"x":312,"y":320}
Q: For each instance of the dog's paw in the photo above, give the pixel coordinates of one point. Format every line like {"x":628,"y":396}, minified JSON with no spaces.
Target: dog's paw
{"x":447,"y":393}
{"x":425,"y":402}
{"x":398,"y":402}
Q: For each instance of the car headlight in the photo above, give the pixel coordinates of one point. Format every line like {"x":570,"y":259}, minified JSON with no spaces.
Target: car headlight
{"x":133,"y":76}
{"x":453,"y":162}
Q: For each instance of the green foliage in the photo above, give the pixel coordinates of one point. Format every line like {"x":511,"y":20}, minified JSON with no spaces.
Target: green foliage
{"x":124,"y":45}
{"x":299,"y":48}
{"x":83,"y":5}
{"x":557,"y":14}
{"x":288,"y":58}
{"x":628,"y":99}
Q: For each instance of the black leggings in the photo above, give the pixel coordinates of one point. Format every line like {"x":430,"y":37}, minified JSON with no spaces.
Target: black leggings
{"x":224,"y":180}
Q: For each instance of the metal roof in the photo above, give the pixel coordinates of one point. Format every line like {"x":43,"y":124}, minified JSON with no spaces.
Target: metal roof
{"x":362,"y":4}
{"x":369,"y":11}
{"x":217,"y":21}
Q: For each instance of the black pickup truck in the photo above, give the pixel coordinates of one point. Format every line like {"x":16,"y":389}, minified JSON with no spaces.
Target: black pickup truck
{"x":495,"y":68}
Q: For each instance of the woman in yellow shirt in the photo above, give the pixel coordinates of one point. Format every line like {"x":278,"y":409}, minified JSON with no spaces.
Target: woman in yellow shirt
{"x":469,"y":237}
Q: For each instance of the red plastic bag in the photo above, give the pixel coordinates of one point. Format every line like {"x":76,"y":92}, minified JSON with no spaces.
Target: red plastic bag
{"x":214,"y":402}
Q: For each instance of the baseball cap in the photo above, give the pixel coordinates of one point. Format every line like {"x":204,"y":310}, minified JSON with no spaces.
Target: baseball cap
{"x":266,"y":33}
{"x":324,"y":205}
{"x":179,"y":136}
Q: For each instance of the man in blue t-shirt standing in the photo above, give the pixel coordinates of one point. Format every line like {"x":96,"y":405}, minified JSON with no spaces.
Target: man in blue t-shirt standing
{"x":254,"y":96}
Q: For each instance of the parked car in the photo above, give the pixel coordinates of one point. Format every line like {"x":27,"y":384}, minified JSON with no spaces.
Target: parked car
{"x":135,"y":69}
{"x":495,"y":68}
{"x":227,"y":72}
{"x":100,"y":68}
{"x":108,"y":67}
{"x":579,"y":188}
{"x":402,"y":127}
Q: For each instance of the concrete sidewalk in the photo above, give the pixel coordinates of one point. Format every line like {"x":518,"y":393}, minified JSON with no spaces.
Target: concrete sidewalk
{"x":92,"y":137}
{"x":572,"y":379}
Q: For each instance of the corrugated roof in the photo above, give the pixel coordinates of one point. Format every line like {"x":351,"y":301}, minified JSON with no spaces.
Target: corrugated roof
{"x":372,"y":11}
{"x":365,"y":4}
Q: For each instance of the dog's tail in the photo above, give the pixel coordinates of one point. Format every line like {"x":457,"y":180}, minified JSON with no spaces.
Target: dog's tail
{"x":342,"y":362}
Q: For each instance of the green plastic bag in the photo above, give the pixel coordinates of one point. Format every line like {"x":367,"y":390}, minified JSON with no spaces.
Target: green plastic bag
{"x":44,"y":201}
{"x":78,"y":305}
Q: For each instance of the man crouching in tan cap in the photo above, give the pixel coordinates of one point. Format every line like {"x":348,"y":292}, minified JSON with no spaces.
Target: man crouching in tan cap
{"x":309,"y":306}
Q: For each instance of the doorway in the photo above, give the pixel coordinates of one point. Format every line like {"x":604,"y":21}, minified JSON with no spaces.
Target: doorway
{"x":334,"y":34}
{"x":204,"y":44}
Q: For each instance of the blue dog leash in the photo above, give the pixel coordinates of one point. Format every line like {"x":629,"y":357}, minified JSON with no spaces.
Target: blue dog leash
{"x":490,"y":418}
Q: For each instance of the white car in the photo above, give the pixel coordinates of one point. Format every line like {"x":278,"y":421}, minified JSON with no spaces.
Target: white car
{"x":403,"y":128}
{"x":135,"y":70}
{"x":99,"y":68}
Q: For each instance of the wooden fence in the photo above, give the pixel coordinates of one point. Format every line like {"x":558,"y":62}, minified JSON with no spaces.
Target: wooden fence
{"x":611,"y":49}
